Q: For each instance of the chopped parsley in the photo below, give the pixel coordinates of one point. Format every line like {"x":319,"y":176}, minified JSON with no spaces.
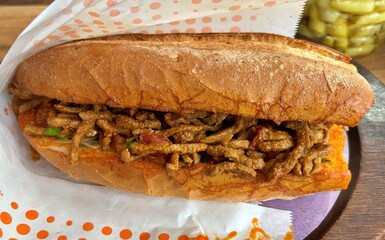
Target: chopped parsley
{"x":54,"y":132}
{"x":130,"y":140}
{"x":324,"y":160}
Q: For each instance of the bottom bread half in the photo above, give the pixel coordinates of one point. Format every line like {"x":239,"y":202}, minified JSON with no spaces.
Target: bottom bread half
{"x":148,"y":177}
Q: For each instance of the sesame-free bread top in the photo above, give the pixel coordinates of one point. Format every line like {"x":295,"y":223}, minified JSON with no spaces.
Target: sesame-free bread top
{"x":255,"y":75}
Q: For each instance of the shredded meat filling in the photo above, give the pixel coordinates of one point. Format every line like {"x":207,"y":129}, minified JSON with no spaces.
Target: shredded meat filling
{"x":232,"y":144}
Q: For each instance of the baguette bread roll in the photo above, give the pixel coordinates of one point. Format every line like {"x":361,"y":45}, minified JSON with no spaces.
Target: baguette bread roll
{"x":261,"y":76}
{"x":274,"y":96}
{"x":147,"y":177}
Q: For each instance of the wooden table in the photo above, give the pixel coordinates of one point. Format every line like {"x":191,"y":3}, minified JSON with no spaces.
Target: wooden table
{"x":363,"y":217}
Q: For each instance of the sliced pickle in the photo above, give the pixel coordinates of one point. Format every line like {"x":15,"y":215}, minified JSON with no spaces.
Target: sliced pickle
{"x":322,"y":3}
{"x":315,"y":24}
{"x":353,"y":6}
{"x":328,"y":15}
{"x":339,"y":30}
{"x":372,"y":18}
{"x":328,"y":41}
{"x":359,"y":51}
{"x":355,"y":27}
{"x":341,"y":43}
{"x":379,"y":5}
{"x":359,"y":41}
{"x":361,"y":31}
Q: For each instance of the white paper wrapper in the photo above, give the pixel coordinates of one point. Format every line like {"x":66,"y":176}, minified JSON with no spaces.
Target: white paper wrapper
{"x":36,"y":200}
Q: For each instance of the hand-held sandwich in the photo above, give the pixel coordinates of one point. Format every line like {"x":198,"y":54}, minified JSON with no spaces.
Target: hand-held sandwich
{"x":231,"y":117}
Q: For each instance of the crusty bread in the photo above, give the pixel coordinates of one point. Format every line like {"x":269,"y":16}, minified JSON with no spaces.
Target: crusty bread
{"x":263,"y":76}
{"x":150,"y":178}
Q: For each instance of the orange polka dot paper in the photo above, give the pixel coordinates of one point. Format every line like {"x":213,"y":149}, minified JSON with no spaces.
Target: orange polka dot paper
{"x":39,"y":202}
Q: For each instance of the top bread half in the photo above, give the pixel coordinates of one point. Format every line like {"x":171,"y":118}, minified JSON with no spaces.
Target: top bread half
{"x":255,"y":75}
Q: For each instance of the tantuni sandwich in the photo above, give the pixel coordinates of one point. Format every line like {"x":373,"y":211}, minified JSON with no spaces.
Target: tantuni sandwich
{"x":231,"y":117}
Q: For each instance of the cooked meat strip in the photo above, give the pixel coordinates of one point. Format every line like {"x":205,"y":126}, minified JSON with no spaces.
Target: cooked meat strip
{"x":173,"y":164}
{"x":63,"y":122}
{"x":276,"y":146}
{"x":26,"y":106}
{"x":174,"y":119}
{"x":232,"y":143}
{"x":317,"y":152}
{"x":220,"y":137}
{"x":231,"y":167}
{"x":303,"y":143}
{"x":20,"y":93}
{"x":255,"y":154}
{"x":215,"y":118}
{"x":195,"y":114}
{"x":146,"y":149}
{"x":235,"y":143}
{"x":242,"y":123}
{"x":130,"y":123}
{"x":317,"y":136}
{"x":33,"y":130}
{"x":81,"y":132}
{"x":184,"y":137}
{"x":230,"y":153}
{"x":90,"y":133}
{"x":144,"y":115}
{"x":105,"y":115}
{"x":196,"y":157}
{"x":235,"y":155}
{"x":187,"y":159}
{"x":105,"y":135}
{"x":268,"y":140}
{"x":108,"y":127}
{"x":67,"y":115}
{"x":67,"y":109}
{"x":317,"y":165}
{"x":185,"y":128}
{"x":139,"y":131}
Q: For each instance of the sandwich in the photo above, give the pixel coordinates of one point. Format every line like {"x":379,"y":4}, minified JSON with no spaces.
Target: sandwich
{"x":228,"y":117}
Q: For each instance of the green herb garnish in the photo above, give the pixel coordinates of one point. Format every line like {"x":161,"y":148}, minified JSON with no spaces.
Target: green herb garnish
{"x":130,"y":140}
{"x":323,"y":160}
{"x":54,"y":132}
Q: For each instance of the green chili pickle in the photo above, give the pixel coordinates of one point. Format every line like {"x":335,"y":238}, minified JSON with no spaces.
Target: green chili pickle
{"x":355,"y":27}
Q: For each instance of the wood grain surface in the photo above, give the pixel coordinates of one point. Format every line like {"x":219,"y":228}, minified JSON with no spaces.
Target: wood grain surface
{"x":364,"y":215}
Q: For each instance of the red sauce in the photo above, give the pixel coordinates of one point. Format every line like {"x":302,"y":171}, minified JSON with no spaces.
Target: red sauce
{"x":254,"y":231}
{"x":290,"y":234}
{"x":148,"y":138}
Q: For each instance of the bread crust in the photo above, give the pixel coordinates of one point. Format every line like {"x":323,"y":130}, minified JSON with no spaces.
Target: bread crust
{"x":262,"y":76}
{"x":147,"y":177}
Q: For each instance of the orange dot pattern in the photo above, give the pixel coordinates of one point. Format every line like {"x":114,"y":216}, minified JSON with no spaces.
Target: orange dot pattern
{"x":125,"y":234}
{"x":163,"y":236}
{"x":14,"y":205}
{"x":88,"y":226}
{"x":144,"y":236}
{"x":24,"y":229}
{"x":157,"y":18}
{"x":183,"y":237}
{"x":5,"y":218}
{"x":31,"y":214}
{"x":106,"y":230}
{"x":50,"y":219}
{"x":42,"y":234}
